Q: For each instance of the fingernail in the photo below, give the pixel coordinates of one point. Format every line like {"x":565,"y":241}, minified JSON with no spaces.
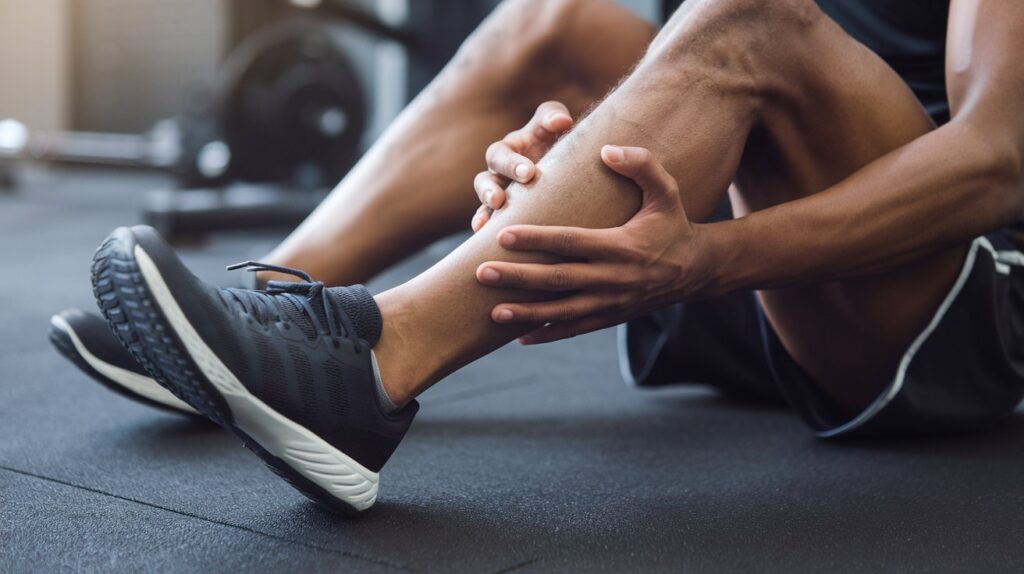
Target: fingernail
{"x":503,"y":315}
{"x":526,"y":340}
{"x":488,"y":196}
{"x":614,"y":153}
{"x":554,"y":116}
{"x":522,"y":171}
{"x":490,"y":274}
{"x":507,"y":239}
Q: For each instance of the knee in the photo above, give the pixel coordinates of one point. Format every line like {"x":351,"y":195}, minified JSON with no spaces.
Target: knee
{"x":520,"y":30}
{"x":738,"y":43}
{"x":541,"y":45}
{"x":747,"y":18}
{"x":534,"y":24}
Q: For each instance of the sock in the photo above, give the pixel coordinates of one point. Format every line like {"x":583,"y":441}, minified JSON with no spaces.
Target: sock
{"x":385,"y":401}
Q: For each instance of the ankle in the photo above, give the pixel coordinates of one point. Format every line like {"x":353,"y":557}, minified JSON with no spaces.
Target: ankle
{"x":403,"y":371}
{"x":396,"y":379}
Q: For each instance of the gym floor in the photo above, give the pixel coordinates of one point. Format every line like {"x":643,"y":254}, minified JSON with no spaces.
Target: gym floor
{"x":530,"y":460}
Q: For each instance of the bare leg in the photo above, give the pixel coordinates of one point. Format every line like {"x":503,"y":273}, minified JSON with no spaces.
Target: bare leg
{"x":715,"y":76}
{"x":415,"y":184}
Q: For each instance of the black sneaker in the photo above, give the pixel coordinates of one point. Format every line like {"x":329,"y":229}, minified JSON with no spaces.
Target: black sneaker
{"x":86,"y":341}
{"x":288,"y":369}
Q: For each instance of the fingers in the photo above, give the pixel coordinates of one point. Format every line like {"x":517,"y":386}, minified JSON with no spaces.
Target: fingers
{"x":480,"y":218}
{"x":640,"y":165}
{"x":565,"y":310}
{"x":490,"y":189}
{"x":514,"y":156}
{"x":549,"y":122}
{"x":503,"y":160}
{"x":540,"y":277}
{"x":567,"y":241}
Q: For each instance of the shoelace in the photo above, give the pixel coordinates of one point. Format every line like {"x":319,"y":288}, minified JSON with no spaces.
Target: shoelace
{"x":265,"y":305}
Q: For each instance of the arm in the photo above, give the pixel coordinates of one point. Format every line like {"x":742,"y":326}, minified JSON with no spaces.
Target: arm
{"x":943,"y":189}
{"x":938,"y":191}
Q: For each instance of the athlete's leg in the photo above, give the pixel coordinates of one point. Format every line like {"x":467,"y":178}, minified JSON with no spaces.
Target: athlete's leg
{"x":415,"y":184}
{"x":846,"y":110}
{"x":780,"y":72}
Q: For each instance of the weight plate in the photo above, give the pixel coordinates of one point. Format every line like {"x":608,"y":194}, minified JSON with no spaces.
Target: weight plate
{"x":291,"y":106}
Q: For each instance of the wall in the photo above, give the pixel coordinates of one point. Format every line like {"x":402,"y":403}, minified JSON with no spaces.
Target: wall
{"x":34,"y":77}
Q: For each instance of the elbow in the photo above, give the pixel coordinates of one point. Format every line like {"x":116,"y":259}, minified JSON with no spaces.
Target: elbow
{"x":1005,"y":172}
{"x":998,"y":167}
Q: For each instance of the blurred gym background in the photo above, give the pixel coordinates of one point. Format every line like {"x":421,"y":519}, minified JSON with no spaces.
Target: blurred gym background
{"x":246,"y":111}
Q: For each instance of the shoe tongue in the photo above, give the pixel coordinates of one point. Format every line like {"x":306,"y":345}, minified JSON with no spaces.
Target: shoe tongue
{"x":357,"y":303}
{"x":354,"y":301}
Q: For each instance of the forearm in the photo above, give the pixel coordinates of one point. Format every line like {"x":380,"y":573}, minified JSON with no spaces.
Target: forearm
{"x":939,"y":191}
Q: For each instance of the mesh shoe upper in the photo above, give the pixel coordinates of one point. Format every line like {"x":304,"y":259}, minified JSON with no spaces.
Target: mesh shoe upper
{"x":301,"y":348}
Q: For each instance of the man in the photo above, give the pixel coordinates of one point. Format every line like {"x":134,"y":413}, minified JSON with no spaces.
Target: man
{"x":888,"y":297}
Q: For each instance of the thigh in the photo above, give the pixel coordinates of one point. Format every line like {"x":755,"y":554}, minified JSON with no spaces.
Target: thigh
{"x":847,"y":109}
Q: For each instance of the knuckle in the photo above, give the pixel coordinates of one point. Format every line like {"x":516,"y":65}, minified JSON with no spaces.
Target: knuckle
{"x":553,"y":106}
{"x":480,"y":182}
{"x":646,"y":257}
{"x":559,"y":279}
{"x":630,"y":250}
{"x":634,"y":279}
{"x":516,"y":141}
{"x":492,"y":153}
{"x":565,"y":314}
{"x":661,"y":274}
{"x":643,"y":155}
{"x":625,"y":300}
{"x":516,"y":277}
{"x":566,"y":240}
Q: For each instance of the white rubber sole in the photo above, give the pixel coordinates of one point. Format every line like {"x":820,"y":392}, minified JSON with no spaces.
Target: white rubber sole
{"x":302,"y":450}
{"x":134,"y":383}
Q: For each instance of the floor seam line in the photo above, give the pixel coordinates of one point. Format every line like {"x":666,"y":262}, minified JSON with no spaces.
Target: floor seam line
{"x":249,"y":529}
{"x":519,"y":565}
{"x":513,"y":383}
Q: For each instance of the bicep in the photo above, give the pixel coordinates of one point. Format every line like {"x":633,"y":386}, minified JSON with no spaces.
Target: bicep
{"x":984,"y":67}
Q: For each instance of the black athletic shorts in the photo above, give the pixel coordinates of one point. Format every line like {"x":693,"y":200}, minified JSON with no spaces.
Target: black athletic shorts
{"x":964,"y":371}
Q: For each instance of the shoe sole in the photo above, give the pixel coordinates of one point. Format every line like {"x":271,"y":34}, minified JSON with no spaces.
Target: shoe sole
{"x":139,"y":388}
{"x":144,"y":314}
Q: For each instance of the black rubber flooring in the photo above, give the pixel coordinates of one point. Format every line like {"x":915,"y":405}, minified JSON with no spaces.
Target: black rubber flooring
{"x":531,"y":460}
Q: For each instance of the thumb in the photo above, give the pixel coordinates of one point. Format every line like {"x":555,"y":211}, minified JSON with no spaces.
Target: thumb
{"x":639,"y":164}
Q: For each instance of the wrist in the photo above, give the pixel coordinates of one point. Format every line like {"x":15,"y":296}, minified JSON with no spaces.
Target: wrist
{"x":725,"y":266}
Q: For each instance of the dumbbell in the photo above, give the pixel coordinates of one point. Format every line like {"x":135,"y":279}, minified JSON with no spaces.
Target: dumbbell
{"x":183,"y":147}
{"x":287,"y":107}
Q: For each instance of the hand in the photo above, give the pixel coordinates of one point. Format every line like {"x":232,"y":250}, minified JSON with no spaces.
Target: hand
{"x":656,"y":258}
{"x":514,"y":158}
